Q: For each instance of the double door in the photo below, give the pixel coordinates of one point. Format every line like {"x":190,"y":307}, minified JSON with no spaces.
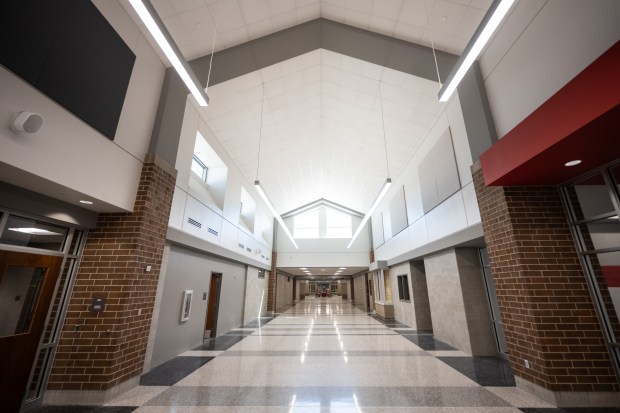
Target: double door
{"x":27,"y":283}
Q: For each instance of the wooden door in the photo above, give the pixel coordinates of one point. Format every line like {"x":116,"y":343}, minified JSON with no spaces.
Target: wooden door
{"x":212,"y":306}
{"x":27,"y":283}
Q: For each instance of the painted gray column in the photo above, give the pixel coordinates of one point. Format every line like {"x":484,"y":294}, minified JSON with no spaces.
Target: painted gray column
{"x":477,"y":115}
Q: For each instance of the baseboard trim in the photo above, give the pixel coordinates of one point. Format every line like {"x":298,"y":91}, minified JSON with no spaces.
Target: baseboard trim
{"x":89,"y":397}
{"x":569,"y":398}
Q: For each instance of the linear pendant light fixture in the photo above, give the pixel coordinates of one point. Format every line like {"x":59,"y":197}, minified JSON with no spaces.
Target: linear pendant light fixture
{"x":386,"y":185}
{"x":487,"y":27}
{"x":384,"y":190}
{"x":273,"y":211}
{"x":257,"y":185}
{"x":156,"y":27}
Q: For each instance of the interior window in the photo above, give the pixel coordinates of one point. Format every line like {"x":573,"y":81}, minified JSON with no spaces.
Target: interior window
{"x":306,"y":225}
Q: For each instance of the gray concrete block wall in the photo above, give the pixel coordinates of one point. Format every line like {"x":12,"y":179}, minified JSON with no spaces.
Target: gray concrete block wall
{"x":284,"y":291}
{"x":359,"y":288}
{"x":459,"y":307}
{"x":419,"y":296}
{"x":476,"y":303}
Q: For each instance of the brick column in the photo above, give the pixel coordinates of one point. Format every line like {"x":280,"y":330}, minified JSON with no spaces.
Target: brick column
{"x":548,"y":313}
{"x":273,"y":282}
{"x":100,"y":351}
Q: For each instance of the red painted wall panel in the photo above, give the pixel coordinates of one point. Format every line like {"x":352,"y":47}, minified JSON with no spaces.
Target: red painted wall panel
{"x":581,"y":119}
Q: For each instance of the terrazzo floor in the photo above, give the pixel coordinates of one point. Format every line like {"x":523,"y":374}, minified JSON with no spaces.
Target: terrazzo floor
{"x":325,"y":355}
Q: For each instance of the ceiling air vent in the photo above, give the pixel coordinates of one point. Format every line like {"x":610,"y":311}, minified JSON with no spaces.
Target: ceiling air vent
{"x":212,"y":231}
{"x":194,"y":222}
{"x":241,"y":245}
{"x":249,"y":249}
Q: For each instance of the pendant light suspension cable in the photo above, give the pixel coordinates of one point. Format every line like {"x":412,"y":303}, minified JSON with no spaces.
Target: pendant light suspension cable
{"x":217,"y":22}
{"x":260,"y":129}
{"x":387,"y":165}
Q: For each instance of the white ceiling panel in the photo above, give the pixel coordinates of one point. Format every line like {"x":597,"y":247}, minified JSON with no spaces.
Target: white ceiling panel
{"x":323,"y":131}
{"x":192,"y":23}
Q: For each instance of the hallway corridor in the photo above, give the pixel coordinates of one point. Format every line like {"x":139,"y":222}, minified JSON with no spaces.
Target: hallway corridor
{"x":325,"y":355}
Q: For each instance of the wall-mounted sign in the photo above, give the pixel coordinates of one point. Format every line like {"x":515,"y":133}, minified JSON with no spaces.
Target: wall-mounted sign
{"x":98,"y":305}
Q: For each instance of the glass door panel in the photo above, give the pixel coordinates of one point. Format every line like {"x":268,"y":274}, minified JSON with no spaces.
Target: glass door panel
{"x":27,"y":284}
{"x":19,"y":292}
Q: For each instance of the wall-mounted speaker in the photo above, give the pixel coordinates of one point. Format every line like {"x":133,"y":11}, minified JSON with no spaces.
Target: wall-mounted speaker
{"x":27,"y":122}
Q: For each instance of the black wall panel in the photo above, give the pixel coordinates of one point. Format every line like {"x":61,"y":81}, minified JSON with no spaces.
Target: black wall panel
{"x":67,"y":50}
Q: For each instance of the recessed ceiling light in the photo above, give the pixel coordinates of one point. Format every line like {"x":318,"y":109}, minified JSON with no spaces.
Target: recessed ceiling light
{"x":303,"y":268}
{"x":573,"y":163}
{"x":83,"y":201}
{"x":342,"y":268}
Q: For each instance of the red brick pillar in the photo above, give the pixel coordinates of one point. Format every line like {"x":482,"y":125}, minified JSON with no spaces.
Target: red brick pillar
{"x":100,"y":351}
{"x":548,"y":313}
{"x":272,"y":285}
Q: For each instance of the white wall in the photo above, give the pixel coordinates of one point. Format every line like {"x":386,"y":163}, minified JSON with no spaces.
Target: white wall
{"x":231,"y":234}
{"x":191,"y":270}
{"x":403,"y":310}
{"x":255,"y":295}
{"x":323,"y":252}
{"x":539,"y":48}
{"x":67,"y":159}
{"x":456,"y":213}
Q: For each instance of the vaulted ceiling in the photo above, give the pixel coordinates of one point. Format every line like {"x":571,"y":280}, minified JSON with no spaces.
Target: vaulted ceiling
{"x":333,"y":126}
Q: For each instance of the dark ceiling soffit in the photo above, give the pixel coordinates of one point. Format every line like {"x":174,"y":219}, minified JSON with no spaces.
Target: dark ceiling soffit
{"x":321,"y":33}
{"x":16,"y":198}
{"x":320,"y":202}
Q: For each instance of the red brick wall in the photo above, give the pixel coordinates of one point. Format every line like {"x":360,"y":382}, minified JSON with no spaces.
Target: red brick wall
{"x":272,"y":285}
{"x":109,"y":348}
{"x":547,"y":310}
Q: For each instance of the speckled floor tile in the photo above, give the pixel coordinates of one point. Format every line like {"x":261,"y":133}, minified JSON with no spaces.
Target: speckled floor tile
{"x":220,"y":343}
{"x":292,"y":343}
{"x":448,"y":353}
{"x":332,"y":353}
{"x":201,"y":353}
{"x":326,"y":371}
{"x":428,"y":342}
{"x":325,"y":356}
{"x":518,"y":397}
{"x":571,"y":410}
{"x":486,"y":371}
{"x":137,"y":396}
{"x":172,"y":371}
{"x":318,"y":409}
{"x":320,"y":396}
{"x":84,"y":409}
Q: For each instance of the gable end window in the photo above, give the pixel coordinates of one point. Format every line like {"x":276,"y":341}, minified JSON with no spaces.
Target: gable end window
{"x":199,"y":168}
